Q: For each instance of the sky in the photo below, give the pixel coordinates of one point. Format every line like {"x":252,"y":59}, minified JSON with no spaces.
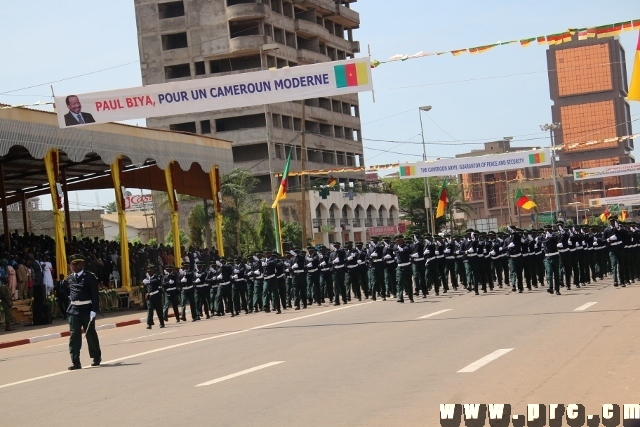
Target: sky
{"x":475,"y":98}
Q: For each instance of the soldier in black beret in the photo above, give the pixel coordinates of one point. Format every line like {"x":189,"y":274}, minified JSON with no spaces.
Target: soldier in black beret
{"x":154,"y":298}
{"x":84,"y":303}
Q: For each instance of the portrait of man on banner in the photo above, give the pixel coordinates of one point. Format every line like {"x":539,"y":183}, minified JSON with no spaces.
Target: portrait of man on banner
{"x":75,"y":116}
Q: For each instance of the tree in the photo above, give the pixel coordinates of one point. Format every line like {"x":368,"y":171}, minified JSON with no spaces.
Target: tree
{"x":110,"y":207}
{"x":239,"y":208}
{"x":456,"y":202}
{"x":184,"y":239}
{"x":152,"y":241}
{"x":266,"y":232}
{"x":196,"y":222}
{"x":291,"y":232}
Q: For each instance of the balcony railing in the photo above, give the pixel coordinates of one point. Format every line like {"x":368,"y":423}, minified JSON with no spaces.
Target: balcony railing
{"x":331,"y":222}
{"x":317,"y":222}
{"x":391,"y":221}
{"x":380,"y":222}
{"x":344,"y":221}
{"x":357,"y":222}
{"x":368,"y":222}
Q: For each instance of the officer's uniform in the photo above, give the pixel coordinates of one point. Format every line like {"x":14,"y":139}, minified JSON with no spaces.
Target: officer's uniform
{"x":337,"y":259}
{"x":271,"y":282}
{"x":352,"y":275}
{"x":282,"y":284}
{"x":417,"y":267}
{"x":551,"y":260}
{"x":363,"y":277}
{"x":469,"y":248}
{"x":376,"y":263}
{"x":299,"y":278}
{"x":326,"y":277}
{"x":402,"y":253}
{"x":6,"y":301}
{"x":224,"y":294}
{"x":171,"y":293}
{"x":84,"y":303}
{"x":258,"y":282}
{"x":614,"y":236}
{"x":313,"y":275}
{"x":202,"y":290}
{"x":239,"y":287}
{"x":153,"y":284}
{"x":513,"y":247}
{"x":390,"y":268}
{"x":188,"y":292}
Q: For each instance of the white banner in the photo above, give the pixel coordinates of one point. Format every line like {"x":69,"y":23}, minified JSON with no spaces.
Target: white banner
{"x":605,"y":171}
{"x":216,"y":93}
{"x":633,"y":199}
{"x":497,"y":163}
{"x":135,"y":201}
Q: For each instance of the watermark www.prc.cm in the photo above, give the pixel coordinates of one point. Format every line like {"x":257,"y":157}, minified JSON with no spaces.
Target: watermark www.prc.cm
{"x":538,"y":415}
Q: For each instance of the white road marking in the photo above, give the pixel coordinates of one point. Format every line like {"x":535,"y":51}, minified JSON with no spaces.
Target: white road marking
{"x":44,"y":337}
{"x":146,"y":336}
{"x":435,"y":313}
{"x":585,"y":306}
{"x":169,"y":347}
{"x":57,"y":345}
{"x":485,"y":360}
{"x":237,"y":374}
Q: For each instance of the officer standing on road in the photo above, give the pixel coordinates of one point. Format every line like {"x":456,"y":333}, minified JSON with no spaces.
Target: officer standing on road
{"x":271,"y":281}
{"x":376,"y":269}
{"x":313,"y":275}
{"x":326,"y":278}
{"x":613,"y":235}
{"x":417,"y":266}
{"x":402,"y":255}
{"x":188,"y":296}
{"x":299,"y":277}
{"x":201,"y":289}
{"x":153,"y":283}
{"x":551,"y":259}
{"x":338,"y":259}
{"x":469,"y":248}
{"x":513,"y":246}
{"x":83,"y":306}
{"x":170,"y":284}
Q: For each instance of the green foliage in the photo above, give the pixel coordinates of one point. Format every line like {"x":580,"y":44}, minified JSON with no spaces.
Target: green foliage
{"x":266,"y":232}
{"x":110,"y":207}
{"x":152,"y":241}
{"x":196,"y":223}
{"x":136,"y":240}
{"x":291,"y":232}
{"x":184,"y":239}
{"x":239,"y":209}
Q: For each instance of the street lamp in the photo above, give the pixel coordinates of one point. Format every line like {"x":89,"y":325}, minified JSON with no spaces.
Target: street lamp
{"x":268,"y":47}
{"x":427,"y":188}
{"x":551,"y":127}
{"x":577,"y":212}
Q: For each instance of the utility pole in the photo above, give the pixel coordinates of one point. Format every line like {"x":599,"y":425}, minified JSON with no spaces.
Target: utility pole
{"x":303,"y":158}
{"x":427,"y":188}
{"x":551,"y":127}
{"x":207,"y":224}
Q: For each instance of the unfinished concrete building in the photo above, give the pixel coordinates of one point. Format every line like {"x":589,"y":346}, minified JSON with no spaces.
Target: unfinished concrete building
{"x":192,"y":39}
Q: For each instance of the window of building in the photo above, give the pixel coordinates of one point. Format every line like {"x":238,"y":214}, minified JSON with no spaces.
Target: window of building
{"x":287,"y":122}
{"x":314,"y":156}
{"x":281,"y":63}
{"x":268,"y":30}
{"x":234,"y":64}
{"x":297,"y":124}
{"x":278,"y":148}
{"x":328,"y":157}
{"x":177,"y":71}
{"x":341,"y":158}
{"x":184,"y":127}
{"x":326,"y":129}
{"x":328,"y":24}
{"x":200,"y":71}
{"x":338,"y":131}
{"x":276,"y":120}
{"x":263,"y":184}
{"x":276,"y":6}
{"x":278,"y":35}
{"x":290,"y":39}
{"x":336,"y":106}
{"x":249,"y":121}
{"x":339,"y":31}
{"x":250,"y":153}
{"x":588,"y":122}
{"x":356,"y":134}
{"x":324,"y":103}
{"x":171,"y":9}
{"x":348,"y":133}
{"x":595,"y":163}
{"x":583,"y":70}
{"x":174,"y":41}
{"x":341,"y":55}
{"x":472,"y":187}
{"x":287,"y":9}
{"x":205,"y":126}
{"x":244,"y":28}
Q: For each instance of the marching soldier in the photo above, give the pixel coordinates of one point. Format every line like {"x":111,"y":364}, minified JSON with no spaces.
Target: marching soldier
{"x":299,"y":277}
{"x":239,"y":287}
{"x":375,"y":255}
{"x":495,"y":254}
{"x":418,"y":267}
{"x":513,"y":246}
{"x":154,"y":297}
{"x":248,"y":274}
{"x":171,"y":292}
{"x":258,"y":279}
{"x":402,"y":255}
{"x":282,"y":284}
{"x":188,"y":292}
{"x":337,"y":259}
{"x":614,"y":237}
{"x":440,"y":264}
{"x":362,"y":270}
{"x":551,"y":260}
{"x":224,"y":300}
{"x":462,"y":277}
{"x":431,"y":274}
{"x":450,"y":262}
{"x":390,"y":267}
{"x":565,"y":254}
{"x":326,"y":278}
{"x":271,"y":281}
{"x":84,"y":303}
{"x":313,"y":275}
{"x":201,"y":289}
{"x":288,"y":262}
{"x":469,"y":248}
{"x":352,"y":275}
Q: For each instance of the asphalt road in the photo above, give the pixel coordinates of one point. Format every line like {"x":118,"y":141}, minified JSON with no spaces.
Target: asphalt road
{"x":363,"y":364}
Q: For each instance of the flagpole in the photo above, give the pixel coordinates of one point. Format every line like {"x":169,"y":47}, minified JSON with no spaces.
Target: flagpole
{"x":279,"y":236}
{"x":276,"y":228}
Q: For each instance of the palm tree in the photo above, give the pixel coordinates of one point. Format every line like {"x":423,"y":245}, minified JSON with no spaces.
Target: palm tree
{"x":239,"y":210}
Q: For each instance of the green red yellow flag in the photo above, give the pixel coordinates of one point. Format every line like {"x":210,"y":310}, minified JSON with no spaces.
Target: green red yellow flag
{"x":634,"y":87}
{"x":443,"y":199}
{"x":332,"y":182}
{"x":523,"y":201}
{"x":282,"y":191}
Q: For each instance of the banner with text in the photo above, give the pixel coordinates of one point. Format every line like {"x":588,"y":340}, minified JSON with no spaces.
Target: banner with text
{"x":633,"y":199}
{"x":216,"y":93}
{"x":497,"y":163}
{"x":605,"y":171}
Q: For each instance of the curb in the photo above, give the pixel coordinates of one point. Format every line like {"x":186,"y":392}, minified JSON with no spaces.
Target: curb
{"x":40,"y":338}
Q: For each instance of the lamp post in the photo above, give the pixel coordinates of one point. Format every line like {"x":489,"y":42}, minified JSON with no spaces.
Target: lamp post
{"x":427,"y":188}
{"x":263,"y":66}
{"x":551,"y":127}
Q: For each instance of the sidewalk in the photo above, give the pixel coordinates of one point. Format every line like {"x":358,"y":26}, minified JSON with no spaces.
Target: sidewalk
{"x":60,"y":328}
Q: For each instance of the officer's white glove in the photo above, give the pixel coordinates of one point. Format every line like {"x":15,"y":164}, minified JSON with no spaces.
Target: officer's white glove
{"x":457,"y":252}
{"x":322,"y":264}
{"x":613,"y":238}
{"x":219,"y":277}
{"x":400,"y":249}
{"x":560,"y":245}
{"x":256,"y":272}
{"x":264,"y":264}
{"x":148,"y":277}
{"x":360,"y":262}
{"x":522,"y":240}
{"x":294,"y":266}
{"x":218,"y":263}
{"x":492,"y":253}
{"x":578,"y":244}
{"x":197,"y":280}
{"x":171,"y":282}
{"x":470,"y":251}
{"x":336,"y":261}
{"x":427,"y":252}
{"x":387,"y":256}
{"x":569,"y":241}
{"x":446,"y":251}
{"x":248,"y":273}
{"x":530,"y":237}
{"x":414,"y":255}
{"x":293,"y":253}
{"x":310,"y":265}
{"x":235,"y":270}
{"x":235,"y":276}
{"x":511,"y":245}
{"x":145,"y":281}
{"x":374,"y":255}
{"x":92,"y":315}
{"x":485,"y":251}
{"x":548,"y":235}
{"x":350,"y":257}
{"x":595,"y":243}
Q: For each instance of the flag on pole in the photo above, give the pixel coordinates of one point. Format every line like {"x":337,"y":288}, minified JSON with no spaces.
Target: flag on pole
{"x":443,"y":199}
{"x":604,"y":215}
{"x":634,"y":87}
{"x":282,"y":191}
{"x":523,"y":201}
{"x":332,"y":182}
{"x":623,"y":215}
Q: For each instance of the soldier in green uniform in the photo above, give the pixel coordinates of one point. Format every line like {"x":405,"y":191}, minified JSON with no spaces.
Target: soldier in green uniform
{"x":188,"y":292}
{"x":202,"y":289}
{"x":172,"y":294}
{"x":376,"y":269}
{"x":551,"y":259}
{"x":6,"y":302}
{"x":153,"y":283}
{"x":402,"y":255}
{"x":83,"y":306}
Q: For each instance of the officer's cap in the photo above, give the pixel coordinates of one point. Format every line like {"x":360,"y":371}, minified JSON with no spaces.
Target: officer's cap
{"x":311,"y":248}
{"x":375,"y":238}
{"x":152,"y":267}
{"x":268,"y":251}
{"x":336,"y":244}
{"x":559,"y":222}
{"x":76,"y":258}
{"x":548,"y":227}
{"x":469,"y":230}
{"x":185,"y":263}
{"x":399,"y":236}
{"x":223,"y":260}
{"x":201,"y":263}
{"x":491,"y":233}
{"x":359,"y":244}
{"x":387,"y":238}
{"x":613,"y":218}
{"x":238,"y":259}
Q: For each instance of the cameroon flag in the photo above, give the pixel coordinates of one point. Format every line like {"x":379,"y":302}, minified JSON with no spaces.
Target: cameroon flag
{"x":443,"y":199}
{"x":634,"y":87}
{"x":282,"y":191}
{"x":523,"y":201}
